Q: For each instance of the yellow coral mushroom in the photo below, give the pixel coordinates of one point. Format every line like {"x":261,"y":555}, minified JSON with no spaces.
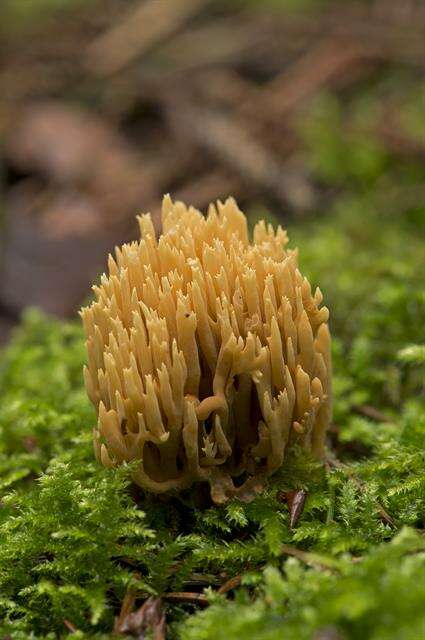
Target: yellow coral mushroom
{"x":207,"y":354}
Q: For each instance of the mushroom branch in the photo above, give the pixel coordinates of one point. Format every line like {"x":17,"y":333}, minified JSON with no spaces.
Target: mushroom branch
{"x":208,"y":354}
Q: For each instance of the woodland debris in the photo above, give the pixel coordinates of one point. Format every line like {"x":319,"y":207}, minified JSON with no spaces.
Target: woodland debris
{"x":186,"y":597}
{"x":371,"y":412}
{"x":147,"y":621}
{"x":222,"y":85}
{"x":144,"y":26}
{"x":296,"y":501}
{"x":230,"y":584}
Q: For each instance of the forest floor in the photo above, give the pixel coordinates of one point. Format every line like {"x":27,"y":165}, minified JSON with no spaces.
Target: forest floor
{"x":82,"y":553}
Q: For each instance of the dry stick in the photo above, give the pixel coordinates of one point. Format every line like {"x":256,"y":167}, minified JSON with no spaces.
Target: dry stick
{"x":230,"y":584}
{"x":399,"y":37}
{"x":337,"y":464}
{"x":311,"y":559}
{"x":401,"y":144}
{"x":71,"y":627}
{"x":371,"y":412}
{"x":199,"y":581}
{"x":318,"y":67}
{"x":141,"y":29}
{"x":398,"y":141}
{"x":326,"y":63}
{"x":224,"y":41}
{"x":263,"y":38}
{"x":126,"y":607}
{"x":306,"y":557}
{"x":224,"y":136}
{"x":226,"y":87}
{"x":190,"y":597}
{"x":321,"y":65}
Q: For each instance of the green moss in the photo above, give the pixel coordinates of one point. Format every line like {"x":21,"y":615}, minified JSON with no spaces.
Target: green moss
{"x":74,"y":537}
{"x":379,"y":598}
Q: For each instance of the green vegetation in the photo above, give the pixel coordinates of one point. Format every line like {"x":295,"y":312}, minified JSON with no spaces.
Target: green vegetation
{"x":74,"y":537}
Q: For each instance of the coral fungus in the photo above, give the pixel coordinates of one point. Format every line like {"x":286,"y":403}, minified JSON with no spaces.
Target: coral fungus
{"x":207,"y":354}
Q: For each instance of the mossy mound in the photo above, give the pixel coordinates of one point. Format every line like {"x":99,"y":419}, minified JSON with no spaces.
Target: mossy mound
{"x":75,"y":537}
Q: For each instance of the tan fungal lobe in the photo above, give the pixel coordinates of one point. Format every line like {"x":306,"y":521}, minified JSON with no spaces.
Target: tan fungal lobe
{"x":207,"y":354}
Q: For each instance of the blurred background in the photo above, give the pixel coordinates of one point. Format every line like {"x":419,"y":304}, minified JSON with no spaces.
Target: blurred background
{"x":310,"y":113}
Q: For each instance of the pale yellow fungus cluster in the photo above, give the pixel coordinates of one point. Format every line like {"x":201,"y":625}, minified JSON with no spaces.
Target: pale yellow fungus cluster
{"x":207,"y":354}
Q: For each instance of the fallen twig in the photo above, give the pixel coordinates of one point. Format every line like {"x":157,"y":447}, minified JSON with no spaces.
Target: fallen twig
{"x":143,"y":27}
{"x":226,"y":138}
{"x":316,"y":68}
{"x":311,"y":559}
{"x":230,"y":584}
{"x":189,"y":597}
{"x":371,"y":412}
{"x":71,"y":627}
